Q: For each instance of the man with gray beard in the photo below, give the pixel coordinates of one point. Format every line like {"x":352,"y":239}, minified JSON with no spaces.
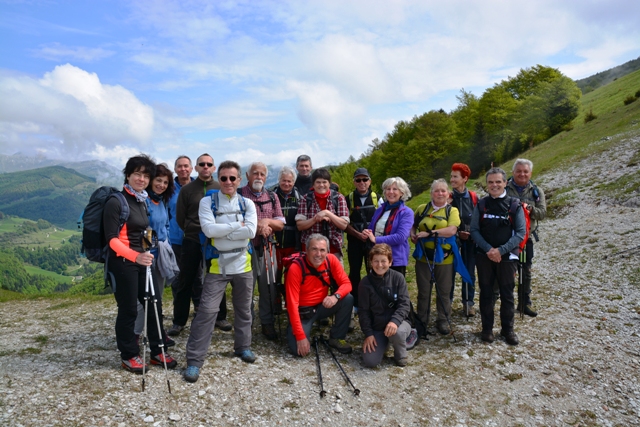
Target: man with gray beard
{"x":270,"y":220}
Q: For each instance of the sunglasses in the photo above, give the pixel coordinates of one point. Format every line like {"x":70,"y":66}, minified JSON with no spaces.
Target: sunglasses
{"x":231,"y":178}
{"x":359,"y":180}
{"x":203,"y":164}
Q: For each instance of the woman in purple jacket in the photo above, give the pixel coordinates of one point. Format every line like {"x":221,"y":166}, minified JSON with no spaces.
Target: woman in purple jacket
{"x":392,"y":222}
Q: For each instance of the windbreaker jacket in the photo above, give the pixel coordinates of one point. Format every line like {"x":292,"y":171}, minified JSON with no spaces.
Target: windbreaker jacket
{"x":399,"y":237}
{"x":373,"y":310}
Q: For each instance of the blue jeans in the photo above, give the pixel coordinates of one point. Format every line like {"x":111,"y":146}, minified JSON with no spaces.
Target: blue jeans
{"x":468,"y":254}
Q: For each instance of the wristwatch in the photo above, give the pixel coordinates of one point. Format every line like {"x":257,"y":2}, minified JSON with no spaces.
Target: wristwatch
{"x":337,"y":295}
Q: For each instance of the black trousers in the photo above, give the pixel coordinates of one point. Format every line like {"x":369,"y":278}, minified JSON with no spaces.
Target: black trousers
{"x":357,"y":253}
{"x":504,"y":273}
{"x":188,"y":285}
{"x":130,"y":283}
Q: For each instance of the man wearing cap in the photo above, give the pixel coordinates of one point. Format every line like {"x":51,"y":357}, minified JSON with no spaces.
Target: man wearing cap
{"x":362,"y":203}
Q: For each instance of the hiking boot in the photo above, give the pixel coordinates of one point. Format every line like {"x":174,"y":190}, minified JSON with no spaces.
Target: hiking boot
{"x":510,"y":337}
{"x":191,"y":374}
{"x":443,"y":327}
{"x":487,"y":336}
{"x":341,"y":345}
{"x":246,"y":356}
{"x":135,"y":364}
{"x":175,"y":330}
{"x":269,"y":331}
{"x":159,"y":360}
{"x":469,"y":310}
{"x":528,"y":310}
{"x":412,"y":339}
{"x":223,"y":325}
{"x":402,"y":362}
{"x":168,"y":342}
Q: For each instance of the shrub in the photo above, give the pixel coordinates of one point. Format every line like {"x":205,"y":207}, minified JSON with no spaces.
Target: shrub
{"x":638,"y":94}
{"x":590,"y":116}
{"x":629,"y":99}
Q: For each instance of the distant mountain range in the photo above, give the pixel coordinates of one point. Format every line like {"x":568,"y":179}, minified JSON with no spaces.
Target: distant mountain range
{"x":103,"y":173}
{"x":55,"y":193}
{"x":602,"y":78}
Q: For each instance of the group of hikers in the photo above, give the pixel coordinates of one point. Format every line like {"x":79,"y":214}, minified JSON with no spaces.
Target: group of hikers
{"x":201,"y":234}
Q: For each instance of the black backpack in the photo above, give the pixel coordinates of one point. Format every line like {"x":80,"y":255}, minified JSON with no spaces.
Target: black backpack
{"x":94,"y":242}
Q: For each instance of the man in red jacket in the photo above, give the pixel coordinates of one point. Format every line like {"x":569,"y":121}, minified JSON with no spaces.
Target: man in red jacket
{"x":317,"y":287}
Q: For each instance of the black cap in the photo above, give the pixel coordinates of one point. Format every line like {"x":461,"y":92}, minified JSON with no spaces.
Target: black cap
{"x":361,"y":171}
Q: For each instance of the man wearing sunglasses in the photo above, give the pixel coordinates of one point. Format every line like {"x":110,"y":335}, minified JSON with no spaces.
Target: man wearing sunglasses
{"x":362,"y":203}
{"x":230,"y":221}
{"x":188,"y":284}
{"x":270,"y":220}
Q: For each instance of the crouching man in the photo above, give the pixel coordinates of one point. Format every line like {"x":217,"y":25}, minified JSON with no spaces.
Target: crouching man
{"x":317,"y":287}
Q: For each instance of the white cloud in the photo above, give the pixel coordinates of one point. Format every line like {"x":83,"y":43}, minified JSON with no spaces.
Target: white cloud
{"x":71,"y":111}
{"x":58,"y":52}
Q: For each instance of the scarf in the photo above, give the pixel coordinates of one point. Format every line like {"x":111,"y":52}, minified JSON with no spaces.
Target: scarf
{"x":140,"y":196}
{"x":155,"y":197}
{"x":394,"y":207}
{"x":322,"y":199}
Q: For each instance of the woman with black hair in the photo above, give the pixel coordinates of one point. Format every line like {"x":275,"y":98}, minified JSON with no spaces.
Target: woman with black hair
{"x":159,"y":191}
{"x":128,"y":259}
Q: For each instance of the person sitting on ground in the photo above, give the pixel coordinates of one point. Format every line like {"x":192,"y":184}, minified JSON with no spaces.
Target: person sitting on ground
{"x":384,"y":309}
{"x":323,"y":211}
{"x":521,"y":186}
{"x":128,"y":259}
{"x":433,"y":220}
{"x":497,"y":233}
{"x":464,"y":200}
{"x":230,"y":228}
{"x":317,"y":287}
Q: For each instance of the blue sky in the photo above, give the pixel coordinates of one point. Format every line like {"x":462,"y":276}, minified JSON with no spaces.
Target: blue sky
{"x":262,"y":80}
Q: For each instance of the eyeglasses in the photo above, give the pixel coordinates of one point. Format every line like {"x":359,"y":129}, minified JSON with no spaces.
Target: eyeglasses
{"x":359,"y":180}
{"x":203,"y":164}
{"x":230,"y":178}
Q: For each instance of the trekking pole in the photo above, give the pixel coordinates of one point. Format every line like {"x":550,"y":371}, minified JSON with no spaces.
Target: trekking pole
{"x":621,"y":252}
{"x":154,"y":301}
{"x":266,"y":251}
{"x":145,"y":338}
{"x":520,"y":286}
{"x":356,"y":391}
{"x":319,"y":368}
{"x":273,"y":269}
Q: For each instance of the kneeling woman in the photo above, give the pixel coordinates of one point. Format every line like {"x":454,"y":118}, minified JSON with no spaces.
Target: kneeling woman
{"x":384,"y":309}
{"x":128,"y":260}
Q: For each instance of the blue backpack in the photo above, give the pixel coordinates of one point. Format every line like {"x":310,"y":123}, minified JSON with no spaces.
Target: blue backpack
{"x":209,"y":251}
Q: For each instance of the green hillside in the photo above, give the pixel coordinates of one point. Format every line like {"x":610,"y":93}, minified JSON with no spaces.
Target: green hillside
{"x":602,"y":78}
{"x":54,"y":193}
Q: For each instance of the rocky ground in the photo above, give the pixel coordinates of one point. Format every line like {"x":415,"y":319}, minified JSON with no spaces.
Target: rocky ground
{"x":578,"y":362}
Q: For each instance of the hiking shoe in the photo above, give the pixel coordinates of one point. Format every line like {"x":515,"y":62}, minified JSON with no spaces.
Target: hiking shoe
{"x":269,"y":331}
{"x":159,"y":360}
{"x":223,"y":325}
{"x":469,"y":310}
{"x":246,"y":355}
{"x":487,"y":336}
{"x":443,"y":327}
{"x":528,"y":310}
{"x":191,"y":374}
{"x":135,"y":364}
{"x":510,"y":337}
{"x":168,"y":342}
{"x":175,"y":330}
{"x":401,"y":362}
{"x":412,"y":339}
{"x":341,"y":345}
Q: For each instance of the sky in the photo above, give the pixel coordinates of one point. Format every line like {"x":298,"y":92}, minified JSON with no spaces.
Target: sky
{"x":270,"y":80}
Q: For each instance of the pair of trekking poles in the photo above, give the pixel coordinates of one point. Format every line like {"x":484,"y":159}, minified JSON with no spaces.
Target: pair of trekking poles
{"x":150,"y":240}
{"x":323,"y":392}
{"x":271,"y":269}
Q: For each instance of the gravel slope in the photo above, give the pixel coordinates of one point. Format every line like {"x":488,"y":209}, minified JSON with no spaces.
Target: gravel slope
{"x":578,"y":362}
